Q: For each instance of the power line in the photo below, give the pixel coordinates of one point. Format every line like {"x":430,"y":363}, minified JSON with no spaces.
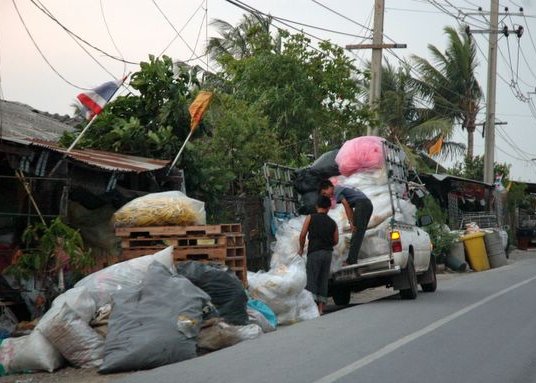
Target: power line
{"x":112,"y":38}
{"x":254,"y":11}
{"x":341,"y":15}
{"x":85,"y":50}
{"x":53,"y":18}
{"x":183,"y":27}
{"x":41,"y":52}
{"x":198,"y":35}
{"x":174,"y":28}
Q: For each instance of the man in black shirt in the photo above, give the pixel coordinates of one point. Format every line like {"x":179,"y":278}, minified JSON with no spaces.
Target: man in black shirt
{"x":323,"y":235}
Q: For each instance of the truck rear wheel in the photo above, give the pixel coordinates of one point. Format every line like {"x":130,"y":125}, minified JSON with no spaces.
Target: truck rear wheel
{"x":430,"y":276}
{"x":411,"y":276}
{"x":341,"y":296}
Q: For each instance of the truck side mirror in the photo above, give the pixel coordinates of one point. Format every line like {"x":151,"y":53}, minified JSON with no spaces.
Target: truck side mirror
{"x":425,"y":220}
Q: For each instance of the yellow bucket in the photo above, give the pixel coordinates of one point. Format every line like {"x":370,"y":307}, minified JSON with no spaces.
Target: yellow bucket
{"x":475,"y":251}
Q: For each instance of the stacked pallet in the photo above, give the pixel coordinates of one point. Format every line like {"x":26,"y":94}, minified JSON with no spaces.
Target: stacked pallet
{"x":208,"y":243}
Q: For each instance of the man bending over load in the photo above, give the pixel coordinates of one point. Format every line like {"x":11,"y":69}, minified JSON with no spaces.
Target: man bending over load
{"x":358,"y":218}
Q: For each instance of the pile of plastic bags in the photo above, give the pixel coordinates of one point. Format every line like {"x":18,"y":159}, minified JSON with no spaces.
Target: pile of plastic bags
{"x":122,"y":317}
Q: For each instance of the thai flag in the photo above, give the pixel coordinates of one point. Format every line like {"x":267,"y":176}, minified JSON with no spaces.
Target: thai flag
{"x":94,"y":100}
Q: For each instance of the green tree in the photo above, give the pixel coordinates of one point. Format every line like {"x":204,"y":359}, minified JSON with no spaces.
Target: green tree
{"x":405,"y":120}
{"x":233,"y":152}
{"x":473,"y":168}
{"x":308,"y":95}
{"x":152,"y":123}
{"x":449,"y":82}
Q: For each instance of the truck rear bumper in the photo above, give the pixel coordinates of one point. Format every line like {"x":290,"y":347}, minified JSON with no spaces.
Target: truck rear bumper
{"x":380,"y":266}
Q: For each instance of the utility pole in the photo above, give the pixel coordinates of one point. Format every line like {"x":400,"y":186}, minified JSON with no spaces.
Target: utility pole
{"x":376,"y":62}
{"x":489,"y":140}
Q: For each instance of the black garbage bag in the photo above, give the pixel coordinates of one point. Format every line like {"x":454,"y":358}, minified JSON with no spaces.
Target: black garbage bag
{"x":325,"y":165}
{"x":154,"y":325}
{"x":308,"y":203}
{"x":225,"y":289}
{"x":306,"y":180}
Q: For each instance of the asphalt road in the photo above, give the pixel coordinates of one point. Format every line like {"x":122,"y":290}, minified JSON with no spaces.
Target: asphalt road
{"x":480,"y":327}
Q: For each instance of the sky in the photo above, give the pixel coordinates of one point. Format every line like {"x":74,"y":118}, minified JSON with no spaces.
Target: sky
{"x":133,"y":29}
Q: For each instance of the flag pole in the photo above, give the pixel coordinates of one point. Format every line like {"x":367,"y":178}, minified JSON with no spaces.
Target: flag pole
{"x":71,"y":147}
{"x":180,"y":152}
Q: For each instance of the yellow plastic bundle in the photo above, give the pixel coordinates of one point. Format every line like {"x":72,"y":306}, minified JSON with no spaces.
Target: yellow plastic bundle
{"x":161,"y":209}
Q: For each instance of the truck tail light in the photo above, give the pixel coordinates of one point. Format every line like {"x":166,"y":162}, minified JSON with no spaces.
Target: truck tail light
{"x":396,"y":244}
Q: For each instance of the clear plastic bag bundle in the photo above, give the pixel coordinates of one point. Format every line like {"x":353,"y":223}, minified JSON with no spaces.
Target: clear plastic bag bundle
{"x":161,"y":209}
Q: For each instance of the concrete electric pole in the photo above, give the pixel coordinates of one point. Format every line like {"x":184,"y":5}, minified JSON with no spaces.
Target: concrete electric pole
{"x":376,"y":62}
{"x":489,"y":146}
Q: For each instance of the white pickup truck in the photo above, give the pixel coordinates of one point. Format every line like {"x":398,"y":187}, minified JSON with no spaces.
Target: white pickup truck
{"x":409,"y":262}
{"x":407,"y":259}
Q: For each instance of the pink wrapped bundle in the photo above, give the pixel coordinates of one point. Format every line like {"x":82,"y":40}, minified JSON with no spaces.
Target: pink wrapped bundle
{"x":360,"y":154}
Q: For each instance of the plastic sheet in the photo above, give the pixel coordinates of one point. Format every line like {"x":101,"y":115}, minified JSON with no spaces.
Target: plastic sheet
{"x":74,"y":338}
{"x":161,"y":209}
{"x":28,"y":353}
{"x":103,"y":283}
{"x":360,"y":154}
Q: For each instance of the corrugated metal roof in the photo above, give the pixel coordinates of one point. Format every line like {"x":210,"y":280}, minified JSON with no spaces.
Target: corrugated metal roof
{"x":99,"y":158}
{"x":22,"y":121}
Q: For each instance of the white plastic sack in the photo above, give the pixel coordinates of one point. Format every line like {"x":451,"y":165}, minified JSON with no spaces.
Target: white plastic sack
{"x":307,"y":308}
{"x":161,"y":209}
{"x":29,"y":353}
{"x":287,"y":242}
{"x":381,"y":210}
{"x":74,"y":338}
{"x":280,"y":287}
{"x":77,"y":299}
{"x":103,"y":283}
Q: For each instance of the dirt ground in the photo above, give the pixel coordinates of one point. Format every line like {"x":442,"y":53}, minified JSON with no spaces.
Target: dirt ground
{"x":73,"y":375}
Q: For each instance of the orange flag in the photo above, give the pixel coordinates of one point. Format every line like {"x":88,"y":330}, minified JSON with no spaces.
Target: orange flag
{"x":198,"y":108}
{"x":436,"y":148}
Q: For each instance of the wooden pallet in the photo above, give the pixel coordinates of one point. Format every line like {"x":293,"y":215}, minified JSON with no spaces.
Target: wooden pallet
{"x":210,"y":243}
{"x":154,"y":231}
{"x":176,"y":241}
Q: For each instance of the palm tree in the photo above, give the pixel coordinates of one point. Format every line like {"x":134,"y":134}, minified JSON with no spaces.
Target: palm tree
{"x":406,"y":119}
{"x":449,"y":82}
{"x":249,"y":36}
